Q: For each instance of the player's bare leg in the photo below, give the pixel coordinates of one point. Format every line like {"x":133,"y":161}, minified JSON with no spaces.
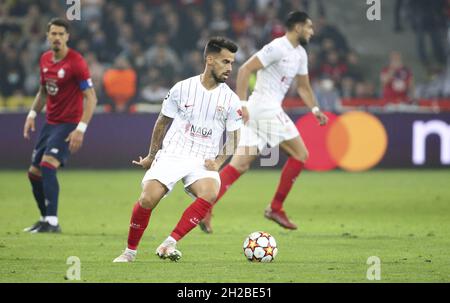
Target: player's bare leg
{"x":239,"y":164}
{"x":152,"y":193}
{"x":298,"y":154}
{"x":206,"y":191}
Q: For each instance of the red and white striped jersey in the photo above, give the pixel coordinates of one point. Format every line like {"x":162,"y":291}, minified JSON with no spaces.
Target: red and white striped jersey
{"x":200,"y":118}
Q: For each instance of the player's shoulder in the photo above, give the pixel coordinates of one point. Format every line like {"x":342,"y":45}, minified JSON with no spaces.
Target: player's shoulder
{"x":184,"y":84}
{"x":234,"y":97}
{"x":47,"y":55}
{"x":74,"y":55}
{"x":226,"y":88}
{"x":278,"y":41}
{"x":301,"y":50}
{"x":189,"y":80}
{"x":277,"y":46}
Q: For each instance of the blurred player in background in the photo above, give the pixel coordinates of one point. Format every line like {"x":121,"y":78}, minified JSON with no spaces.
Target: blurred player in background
{"x":200,"y":109}
{"x":276,"y":64}
{"x":65,"y":82}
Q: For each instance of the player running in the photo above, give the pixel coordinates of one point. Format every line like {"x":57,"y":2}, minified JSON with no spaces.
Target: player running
{"x":65,"y":82}
{"x":276,"y":64}
{"x":200,"y":108}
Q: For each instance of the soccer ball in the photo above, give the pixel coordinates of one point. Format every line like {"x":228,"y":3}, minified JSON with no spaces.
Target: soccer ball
{"x":260,"y":247}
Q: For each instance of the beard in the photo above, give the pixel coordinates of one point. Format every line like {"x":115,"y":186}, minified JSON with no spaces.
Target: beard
{"x":56,"y":47}
{"x":217,"y":78}
{"x":303,"y":41}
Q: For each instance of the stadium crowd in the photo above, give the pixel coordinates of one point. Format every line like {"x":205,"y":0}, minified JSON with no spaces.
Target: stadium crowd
{"x":136,"y":50}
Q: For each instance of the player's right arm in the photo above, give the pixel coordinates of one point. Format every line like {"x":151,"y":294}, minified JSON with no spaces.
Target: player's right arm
{"x":168,"y":112}
{"x":269,"y":54}
{"x":158,"y":134}
{"x":36,"y":107}
{"x":251,"y":66}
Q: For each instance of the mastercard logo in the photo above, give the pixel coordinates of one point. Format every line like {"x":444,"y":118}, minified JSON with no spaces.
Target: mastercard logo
{"x":354,"y":141}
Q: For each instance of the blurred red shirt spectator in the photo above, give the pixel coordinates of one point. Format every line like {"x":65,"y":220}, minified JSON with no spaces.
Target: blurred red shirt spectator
{"x":397,"y":80}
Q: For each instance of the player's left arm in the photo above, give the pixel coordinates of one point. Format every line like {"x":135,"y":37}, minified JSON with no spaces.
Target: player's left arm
{"x":228,"y":149}
{"x":305,"y":91}
{"x":76,"y":137}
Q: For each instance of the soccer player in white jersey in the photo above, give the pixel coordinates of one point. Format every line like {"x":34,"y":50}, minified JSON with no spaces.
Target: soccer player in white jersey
{"x":276,"y":64}
{"x":200,"y":108}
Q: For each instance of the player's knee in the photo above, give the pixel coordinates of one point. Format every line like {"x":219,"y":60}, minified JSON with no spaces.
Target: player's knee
{"x":35,"y":170}
{"x":208,"y":196}
{"x":147,"y":201}
{"x":301,"y":156}
{"x":52,"y":160}
{"x":304,"y":156}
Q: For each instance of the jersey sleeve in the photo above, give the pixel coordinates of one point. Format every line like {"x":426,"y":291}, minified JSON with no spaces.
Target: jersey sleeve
{"x":269,"y":54}
{"x":303,"y":67}
{"x":171,"y":102}
{"x":82,"y":74}
{"x":234,"y":118}
{"x":41,"y":73}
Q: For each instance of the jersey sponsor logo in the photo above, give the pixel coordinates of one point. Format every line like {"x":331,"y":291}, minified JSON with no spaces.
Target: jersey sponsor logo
{"x":198,"y":131}
{"x":54,"y":150}
{"x":51,"y":87}
{"x":239,"y":111}
{"x":61,"y":73}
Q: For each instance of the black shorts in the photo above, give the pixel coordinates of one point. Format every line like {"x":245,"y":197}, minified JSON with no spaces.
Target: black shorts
{"x":52,"y":142}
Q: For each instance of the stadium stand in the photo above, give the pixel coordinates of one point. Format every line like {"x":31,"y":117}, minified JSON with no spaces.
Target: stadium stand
{"x":162,"y":42}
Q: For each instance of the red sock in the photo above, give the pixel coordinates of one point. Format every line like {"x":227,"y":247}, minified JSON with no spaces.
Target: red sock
{"x":291,"y":170}
{"x":191,"y":217}
{"x":228,"y":175}
{"x":138,"y":224}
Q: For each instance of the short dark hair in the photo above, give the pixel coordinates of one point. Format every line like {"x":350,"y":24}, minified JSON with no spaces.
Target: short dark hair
{"x":58,"y":22}
{"x":294,"y":18}
{"x":216,"y":44}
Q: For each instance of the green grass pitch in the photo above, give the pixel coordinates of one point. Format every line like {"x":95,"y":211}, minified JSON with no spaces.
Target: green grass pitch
{"x":400,"y":216}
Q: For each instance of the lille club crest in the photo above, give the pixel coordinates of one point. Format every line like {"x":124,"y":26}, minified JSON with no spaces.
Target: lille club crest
{"x":61,"y":73}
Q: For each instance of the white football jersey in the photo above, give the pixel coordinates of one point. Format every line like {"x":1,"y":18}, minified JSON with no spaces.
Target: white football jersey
{"x":200,"y":118}
{"x":282,"y":62}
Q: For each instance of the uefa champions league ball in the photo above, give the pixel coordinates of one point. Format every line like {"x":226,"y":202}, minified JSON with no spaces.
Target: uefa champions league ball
{"x":260,"y":247}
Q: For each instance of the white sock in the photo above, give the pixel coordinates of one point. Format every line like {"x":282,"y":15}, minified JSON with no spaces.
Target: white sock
{"x":42,"y":219}
{"x":53,"y":220}
{"x":171,"y":239}
{"x":131,"y":251}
